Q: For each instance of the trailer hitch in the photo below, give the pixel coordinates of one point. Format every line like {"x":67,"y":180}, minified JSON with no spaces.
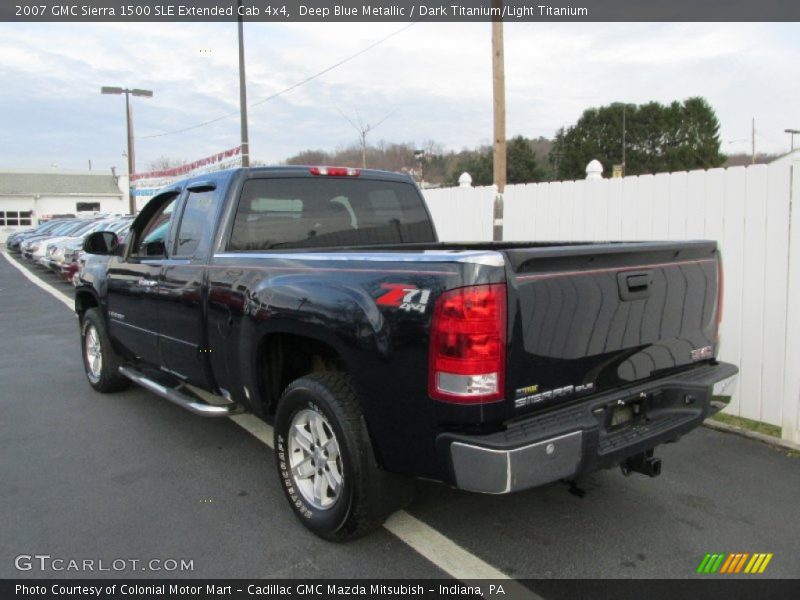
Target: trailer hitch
{"x":643,"y":463}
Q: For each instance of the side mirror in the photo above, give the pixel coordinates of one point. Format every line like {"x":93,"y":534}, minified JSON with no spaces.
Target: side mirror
{"x":101,"y":242}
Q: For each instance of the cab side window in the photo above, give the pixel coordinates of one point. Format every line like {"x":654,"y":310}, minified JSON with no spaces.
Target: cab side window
{"x":196,"y":225}
{"x":151,"y":240}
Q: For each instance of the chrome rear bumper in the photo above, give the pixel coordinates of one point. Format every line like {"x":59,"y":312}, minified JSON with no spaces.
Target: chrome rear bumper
{"x":567,"y":442}
{"x":492,"y":471}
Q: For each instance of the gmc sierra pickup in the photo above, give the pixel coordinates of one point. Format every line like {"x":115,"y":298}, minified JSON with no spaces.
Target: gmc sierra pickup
{"x":319,"y":299}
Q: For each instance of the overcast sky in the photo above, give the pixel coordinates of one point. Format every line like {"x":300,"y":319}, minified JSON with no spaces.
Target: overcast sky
{"x":433,"y":79}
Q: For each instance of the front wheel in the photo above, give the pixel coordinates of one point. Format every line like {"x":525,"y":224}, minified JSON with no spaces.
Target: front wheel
{"x":100,"y":361}
{"x":326,"y":461}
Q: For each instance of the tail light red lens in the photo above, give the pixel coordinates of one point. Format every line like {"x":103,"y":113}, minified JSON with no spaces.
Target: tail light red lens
{"x":468,"y":345}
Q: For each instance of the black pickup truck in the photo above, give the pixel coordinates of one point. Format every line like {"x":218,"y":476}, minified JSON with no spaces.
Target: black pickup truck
{"x":319,"y":299}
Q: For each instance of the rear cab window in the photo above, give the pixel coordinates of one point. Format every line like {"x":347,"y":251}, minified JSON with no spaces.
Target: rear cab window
{"x":285,"y":213}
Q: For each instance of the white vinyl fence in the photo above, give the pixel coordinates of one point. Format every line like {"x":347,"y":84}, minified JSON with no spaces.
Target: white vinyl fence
{"x":462,"y":213}
{"x":746,"y":209}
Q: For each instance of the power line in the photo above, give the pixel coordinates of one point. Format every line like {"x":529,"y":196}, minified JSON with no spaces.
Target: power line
{"x":285,"y":90}
{"x":768,"y":137}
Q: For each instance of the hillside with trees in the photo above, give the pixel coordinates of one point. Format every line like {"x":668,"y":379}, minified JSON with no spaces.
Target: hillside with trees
{"x":742,"y":159}
{"x":658,"y":138}
{"x":526,"y":159}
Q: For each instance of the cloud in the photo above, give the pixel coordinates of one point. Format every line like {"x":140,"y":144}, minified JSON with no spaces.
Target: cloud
{"x":434,"y":79}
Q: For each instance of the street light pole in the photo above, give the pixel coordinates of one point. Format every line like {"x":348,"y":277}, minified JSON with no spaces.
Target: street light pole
{"x":243,"y":93}
{"x":129,"y":124}
{"x":131,"y":155}
{"x":792,"y":133}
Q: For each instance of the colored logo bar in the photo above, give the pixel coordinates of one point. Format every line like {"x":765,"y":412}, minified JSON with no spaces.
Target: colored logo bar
{"x":733,"y":563}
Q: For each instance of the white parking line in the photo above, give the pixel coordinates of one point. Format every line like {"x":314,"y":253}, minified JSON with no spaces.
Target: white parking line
{"x":424,"y":539}
{"x":57,"y":294}
{"x":440,"y":550}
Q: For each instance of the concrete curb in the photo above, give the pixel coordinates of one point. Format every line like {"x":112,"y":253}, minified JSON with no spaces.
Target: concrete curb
{"x":759,"y":437}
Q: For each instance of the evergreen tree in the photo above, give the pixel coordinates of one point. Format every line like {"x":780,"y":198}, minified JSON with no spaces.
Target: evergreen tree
{"x":521,"y":163}
{"x":522,"y":166}
{"x":678,"y":137}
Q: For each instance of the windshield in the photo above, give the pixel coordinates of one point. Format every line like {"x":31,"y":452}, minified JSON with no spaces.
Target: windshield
{"x":80,"y":228}
{"x":64,"y":228}
{"x":48,"y":226}
{"x":104,"y":225}
{"x":52,"y":227}
{"x":121,"y":226}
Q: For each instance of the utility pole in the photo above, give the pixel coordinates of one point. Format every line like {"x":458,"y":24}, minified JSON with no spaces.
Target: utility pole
{"x":624,"y":131}
{"x":363,"y":129}
{"x":499,"y":94}
{"x":363,"y":148}
{"x":243,"y":92}
{"x":753,"y":141}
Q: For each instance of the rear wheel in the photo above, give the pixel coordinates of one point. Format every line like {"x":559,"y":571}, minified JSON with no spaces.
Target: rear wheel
{"x":326,"y":461}
{"x":100,"y":361}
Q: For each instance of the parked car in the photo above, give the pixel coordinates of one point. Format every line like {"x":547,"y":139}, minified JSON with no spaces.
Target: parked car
{"x":63,"y":256}
{"x":57,"y":244}
{"x":320,"y":299}
{"x":83,"y":257}
{"x":15,"y":239}
{"x":39,"y":255}
{"x":32,"y":243}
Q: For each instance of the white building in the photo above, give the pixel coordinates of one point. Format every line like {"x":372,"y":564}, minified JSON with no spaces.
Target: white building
{"x":792,"y":157}
{"x":28,"y":196}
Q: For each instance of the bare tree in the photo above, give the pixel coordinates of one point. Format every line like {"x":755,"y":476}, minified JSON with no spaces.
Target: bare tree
{"x":163,"y":163}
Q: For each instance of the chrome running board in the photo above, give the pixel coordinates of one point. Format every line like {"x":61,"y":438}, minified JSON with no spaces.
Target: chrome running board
{"x":180,"y":398}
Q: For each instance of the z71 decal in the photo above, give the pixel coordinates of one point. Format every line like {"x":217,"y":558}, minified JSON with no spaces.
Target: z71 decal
{"x":405,"y":296}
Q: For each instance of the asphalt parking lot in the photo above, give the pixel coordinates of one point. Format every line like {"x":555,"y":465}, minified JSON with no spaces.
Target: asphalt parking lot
{"x":131,"y":476}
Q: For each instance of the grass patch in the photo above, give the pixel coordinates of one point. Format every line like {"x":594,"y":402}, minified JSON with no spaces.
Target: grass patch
{"x":749,"y":424}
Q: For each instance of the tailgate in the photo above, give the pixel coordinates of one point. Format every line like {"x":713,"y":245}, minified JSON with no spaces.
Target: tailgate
{"x":590,"y":317}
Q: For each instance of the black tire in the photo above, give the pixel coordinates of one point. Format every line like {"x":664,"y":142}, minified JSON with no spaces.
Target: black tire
{"x":368,"y":494}
{"x":104,"y":376}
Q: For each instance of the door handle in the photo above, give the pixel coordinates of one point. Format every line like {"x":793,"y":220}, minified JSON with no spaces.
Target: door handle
{"x":638,"y":283}
{"x":148,"y":283}
{"x":634,"y":285}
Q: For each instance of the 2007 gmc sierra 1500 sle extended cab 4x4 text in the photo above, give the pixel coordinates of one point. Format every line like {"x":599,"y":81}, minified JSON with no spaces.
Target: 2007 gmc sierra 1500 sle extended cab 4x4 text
{"x":319,"y":299}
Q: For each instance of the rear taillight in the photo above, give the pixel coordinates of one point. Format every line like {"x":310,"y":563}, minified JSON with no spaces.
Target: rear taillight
{"x":468,"y":345}
{"x":335,"y":171}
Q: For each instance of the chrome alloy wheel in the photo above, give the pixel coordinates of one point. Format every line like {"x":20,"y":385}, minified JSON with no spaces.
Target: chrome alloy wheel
{"x":93,"y":354}
{"x":314,"y":459}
